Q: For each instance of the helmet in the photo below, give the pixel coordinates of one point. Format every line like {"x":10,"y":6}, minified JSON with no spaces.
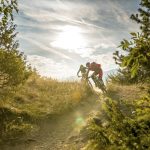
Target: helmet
{"x":87,"y":64}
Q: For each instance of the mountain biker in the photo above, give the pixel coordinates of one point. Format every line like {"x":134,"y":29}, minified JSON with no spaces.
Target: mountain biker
{"x":96,"y":68}
{"x":83,"y":71}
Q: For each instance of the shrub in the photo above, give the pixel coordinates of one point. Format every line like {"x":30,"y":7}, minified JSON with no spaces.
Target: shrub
{"x":120,"y":130}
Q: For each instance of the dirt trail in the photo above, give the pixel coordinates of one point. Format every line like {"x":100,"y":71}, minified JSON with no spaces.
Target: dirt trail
{"x":55,"y":134}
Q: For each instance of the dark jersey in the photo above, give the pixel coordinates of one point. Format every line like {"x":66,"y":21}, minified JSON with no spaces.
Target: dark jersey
{"x":82,"y":69}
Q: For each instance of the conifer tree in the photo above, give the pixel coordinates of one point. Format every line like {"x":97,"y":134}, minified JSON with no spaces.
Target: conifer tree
{"x":13,"y":68}
{"x":136,"y":62}
{"x":143,"y":17}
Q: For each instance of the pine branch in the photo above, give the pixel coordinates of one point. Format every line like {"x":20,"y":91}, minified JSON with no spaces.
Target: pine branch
{"x":143,"y":12}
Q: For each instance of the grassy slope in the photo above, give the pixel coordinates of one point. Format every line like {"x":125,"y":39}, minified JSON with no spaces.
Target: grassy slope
{"x":39,"y":98}
{"x":127,"y":92}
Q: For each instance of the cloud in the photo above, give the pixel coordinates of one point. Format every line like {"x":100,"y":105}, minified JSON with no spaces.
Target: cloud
{"x":50,"y":68}
{"x":46,"y":48}
{"x":62,"y":11}
{"x":102,"y":26}
{"x":61,"y":70}
{"x":105,"y":44}
{"x":122,"y":12}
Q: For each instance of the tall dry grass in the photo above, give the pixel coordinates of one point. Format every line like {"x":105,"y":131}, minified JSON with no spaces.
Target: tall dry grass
{"x":38,"y":98}
{"x":43,"y":96}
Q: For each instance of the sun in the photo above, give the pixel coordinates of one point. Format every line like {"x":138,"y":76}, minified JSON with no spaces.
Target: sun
{"x":70,"y":38}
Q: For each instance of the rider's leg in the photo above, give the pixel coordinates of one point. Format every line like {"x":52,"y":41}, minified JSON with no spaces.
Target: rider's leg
{"x":93,"y":76}
{"x":100,"y":78}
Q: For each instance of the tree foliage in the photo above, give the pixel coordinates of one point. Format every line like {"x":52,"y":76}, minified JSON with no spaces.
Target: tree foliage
{"x":143,"y":17}
{"x":13,"y":68}
{"x":136,"y":60}
{"x":7,"y":27}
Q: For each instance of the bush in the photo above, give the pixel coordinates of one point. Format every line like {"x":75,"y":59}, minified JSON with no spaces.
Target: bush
{"x":120,"y":130}
{"x":13,"y":69}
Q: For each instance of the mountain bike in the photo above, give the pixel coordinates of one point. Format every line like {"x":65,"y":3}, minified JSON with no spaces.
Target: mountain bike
{"x":99,"y":83}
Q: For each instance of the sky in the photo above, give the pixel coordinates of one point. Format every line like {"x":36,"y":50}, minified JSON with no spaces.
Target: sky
{"x":59,"y":35}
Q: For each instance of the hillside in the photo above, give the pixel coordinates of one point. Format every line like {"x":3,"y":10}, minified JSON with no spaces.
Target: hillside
{"x":60,"y":132}
{"x":39,"y":98}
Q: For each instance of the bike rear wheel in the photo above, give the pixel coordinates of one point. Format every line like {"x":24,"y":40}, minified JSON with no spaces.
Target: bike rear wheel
{"x":100,"y":85}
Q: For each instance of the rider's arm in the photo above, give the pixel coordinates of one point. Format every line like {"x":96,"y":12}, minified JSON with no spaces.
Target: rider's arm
{"x":78,"y":72}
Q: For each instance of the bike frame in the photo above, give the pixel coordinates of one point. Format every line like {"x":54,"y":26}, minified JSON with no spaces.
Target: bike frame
{"x":100,"y":84}
{"x":86,"y":79}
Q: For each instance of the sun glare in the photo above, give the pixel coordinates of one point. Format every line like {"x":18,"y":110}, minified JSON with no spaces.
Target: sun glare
{"x":70,"y":38}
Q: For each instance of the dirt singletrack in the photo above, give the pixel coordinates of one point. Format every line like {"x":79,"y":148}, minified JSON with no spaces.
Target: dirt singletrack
{"x":61,"y":131}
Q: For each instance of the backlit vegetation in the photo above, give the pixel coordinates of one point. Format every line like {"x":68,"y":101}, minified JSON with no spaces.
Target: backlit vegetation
{"x":39,"y":98}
